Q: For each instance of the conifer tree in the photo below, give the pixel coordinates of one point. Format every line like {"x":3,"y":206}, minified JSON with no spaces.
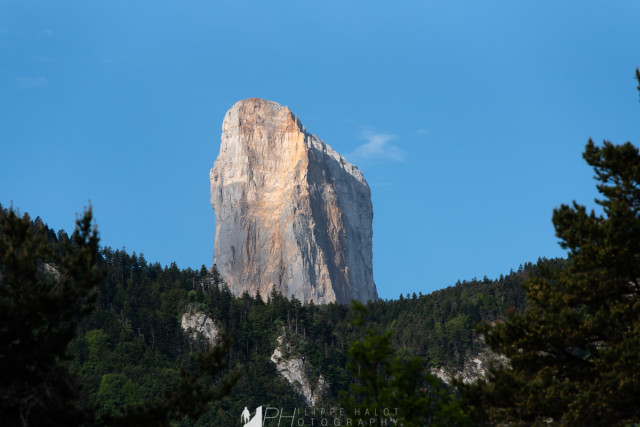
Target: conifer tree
{"x":42,"y":296}
{"x":45,"y":290}
{"x":574,"y":354}
{"x":392,"y":389}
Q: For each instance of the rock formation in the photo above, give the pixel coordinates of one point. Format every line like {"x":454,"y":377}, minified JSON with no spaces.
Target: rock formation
{"x":476,"y":364}
{"x":291,"y":213}
{"x":198,"y":324}
{"x":294,"y":370}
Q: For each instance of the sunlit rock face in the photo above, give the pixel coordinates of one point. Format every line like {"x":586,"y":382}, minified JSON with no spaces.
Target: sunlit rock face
{"x":291,"y":213}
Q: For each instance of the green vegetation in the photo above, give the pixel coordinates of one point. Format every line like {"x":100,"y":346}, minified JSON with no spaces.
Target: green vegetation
{"x":131,"y":363}
{"x":394,"y":387}
{"x":41,"y":294}
{"x":47,"y":289}
{"x":129,"y":346}
{"x":92,"y":336}
{"x":574,"y":353}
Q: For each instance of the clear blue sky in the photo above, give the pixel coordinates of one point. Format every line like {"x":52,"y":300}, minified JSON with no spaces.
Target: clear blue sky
{"x":467,"y":118}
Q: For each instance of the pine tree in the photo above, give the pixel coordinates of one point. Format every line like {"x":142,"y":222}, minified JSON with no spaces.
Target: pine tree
{"x":190,"y":397}
{"x":574,"y":354}
{"x":392,"y":389}
{"x":44,"y":292}
{"x":42,"y":295}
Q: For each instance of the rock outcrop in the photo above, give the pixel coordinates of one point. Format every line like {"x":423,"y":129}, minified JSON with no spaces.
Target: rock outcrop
{"x":198,"y":324}
{"x":293,"y":369}
{"x":476,"y":364}
{"x":291,"y":213}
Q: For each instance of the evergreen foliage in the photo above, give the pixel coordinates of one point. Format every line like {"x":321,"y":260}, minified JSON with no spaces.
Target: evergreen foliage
{"x":47,"y":288}
{"x":392,"y":387}
{"x":190,"y":396}
{"x":140,"y":307}
{"x":42,"y":294}
{"x":128,"y":352}
{"x":574,"y":354}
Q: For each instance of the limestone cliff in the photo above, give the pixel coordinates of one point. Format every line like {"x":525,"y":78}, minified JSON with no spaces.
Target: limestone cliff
{"x":291,"y":213}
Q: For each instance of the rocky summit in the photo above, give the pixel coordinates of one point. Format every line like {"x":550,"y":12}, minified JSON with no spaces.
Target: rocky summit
{"x":291,"y":213}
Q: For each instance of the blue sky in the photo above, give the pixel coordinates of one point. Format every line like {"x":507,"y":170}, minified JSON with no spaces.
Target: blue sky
{"x":467,"y":118}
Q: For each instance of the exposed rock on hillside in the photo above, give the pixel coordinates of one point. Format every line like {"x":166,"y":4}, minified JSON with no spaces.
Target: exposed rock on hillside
{"x":293,"y":370}
{"x":475,"y":365}
{"x":198,"y":324}
{"x":291,"y":213}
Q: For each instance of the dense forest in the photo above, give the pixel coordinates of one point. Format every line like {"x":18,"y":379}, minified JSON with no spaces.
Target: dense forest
{"x":136,"y":332}
{"x":94,"y":336}
{"x":131,"y":347}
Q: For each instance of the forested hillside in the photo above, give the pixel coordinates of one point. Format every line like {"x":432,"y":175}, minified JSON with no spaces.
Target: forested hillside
{"x":131,"y":347}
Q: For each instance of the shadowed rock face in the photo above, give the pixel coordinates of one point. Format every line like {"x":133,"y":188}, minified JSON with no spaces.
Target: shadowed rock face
{"x":291,"y":213}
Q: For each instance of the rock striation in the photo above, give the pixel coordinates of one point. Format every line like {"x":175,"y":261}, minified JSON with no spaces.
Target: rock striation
{"x":291,"y":213}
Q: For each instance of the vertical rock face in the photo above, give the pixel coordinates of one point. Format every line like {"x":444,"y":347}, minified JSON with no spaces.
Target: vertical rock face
{"x":291,"y":213}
